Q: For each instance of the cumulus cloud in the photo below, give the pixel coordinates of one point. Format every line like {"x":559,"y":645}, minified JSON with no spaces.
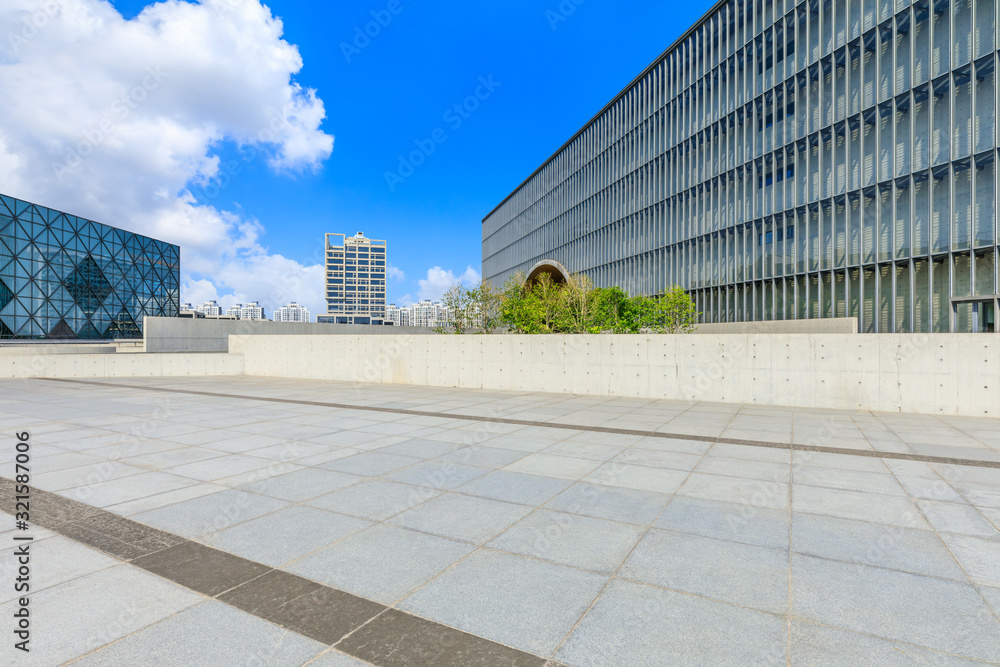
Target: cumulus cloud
{"x":439,"y":280}
{"x":120,"y":120}
{"x":394,"y":273}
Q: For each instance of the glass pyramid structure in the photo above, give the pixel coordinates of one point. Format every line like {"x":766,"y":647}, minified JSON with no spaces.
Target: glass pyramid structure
{"x":64,"y":277}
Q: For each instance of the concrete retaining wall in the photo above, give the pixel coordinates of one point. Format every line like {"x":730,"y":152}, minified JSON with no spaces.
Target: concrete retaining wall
{"x":119,"y":365}
{"x":175,"y":334}
{"x":825,"y":325}
{"x":957,"y":374}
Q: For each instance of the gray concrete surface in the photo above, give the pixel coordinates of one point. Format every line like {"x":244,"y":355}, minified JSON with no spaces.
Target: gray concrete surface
{"x":826,"y":325}
{"x":955,"y":374}
{"x":175,"y":334}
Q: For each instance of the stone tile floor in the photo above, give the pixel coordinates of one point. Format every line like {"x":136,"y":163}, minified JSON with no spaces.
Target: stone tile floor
{"x":572,"y":546}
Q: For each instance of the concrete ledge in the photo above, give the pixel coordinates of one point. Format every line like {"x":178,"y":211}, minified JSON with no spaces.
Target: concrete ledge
{"x":826,"y":325}
{"x":174,"y":334}
{"x":119,"y":365}
{"x":953,"y":374}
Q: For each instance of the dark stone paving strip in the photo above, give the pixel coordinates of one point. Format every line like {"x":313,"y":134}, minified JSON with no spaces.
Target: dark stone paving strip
{"x":902,"y":456}
{"x":314,"y":610}
{"x":397,"y":639}
{"x":333,"y":617}
{"x":204,"y":569}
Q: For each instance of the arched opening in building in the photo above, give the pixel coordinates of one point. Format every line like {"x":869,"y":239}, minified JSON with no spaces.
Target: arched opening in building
{"x":560,"y":275}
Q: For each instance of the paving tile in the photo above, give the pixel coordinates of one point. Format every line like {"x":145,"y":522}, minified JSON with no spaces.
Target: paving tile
{"x":857,"y":505}
{"x":984,"y":495}
{"x":382,"y":563}
{"x":515,"y":487}
{"x":894,"y":547}
{"x":200,"y":568}
{"x":483,"y":457}
{"x":236,"y":638}
{"x":751,"y":453}
{"x":316,"y":611}
{"x":172,"y":457}
{"x":608,"y":502}
{"x":163,"y":499}
{"x":742,"y":574}
{"x":895,"y":605}
{"x":421,"y":448}
{"x":762,"y":470}
{"x":584,"y":450}
{"x":550,"y":465}
{"x":290,"y":451}
{"x":659,"y":459}
{"x":397,"y":639}
{"x":727,"y":521}
{"x":207,"y":514}
{"x":275,"y":539}
{"x":585,"y":542}
{"x":851,"y":480}
{"x":84,"y":614}
{"x":70,"y":478}
{"x":929,"y":489}
{"x":817,"y":645}
{"x":840,"y":461}
{"x":745,"y":492}
{"x":374,"y":499}
{"x":334,"y":658}
{"x":961,"y":519}
{"x":371,"y":464}
{"x":441,"y":475}
{"x":635,"y":624}
{"x":124,"y":489}
{"x":219,"y":467}
{"x":302,"y":485}
{"x":521,"y":443}
{"x":462,"y":517}
{"x":992,"y":596}
{"x":643,"y":478}
{"x":527,"y":604}
{"x":980,"y":558}
{"x":58,"y":560}
{"x":674,"y":445}
{"x":118,"y":536}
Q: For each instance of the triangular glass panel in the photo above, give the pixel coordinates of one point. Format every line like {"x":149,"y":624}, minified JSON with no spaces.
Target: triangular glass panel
{"x":88,"y":331}
{"x":61,"y":331}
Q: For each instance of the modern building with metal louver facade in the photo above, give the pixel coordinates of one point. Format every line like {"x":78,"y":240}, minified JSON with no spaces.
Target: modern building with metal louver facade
{"x":788,"y":159}
{"x":64,"y":277}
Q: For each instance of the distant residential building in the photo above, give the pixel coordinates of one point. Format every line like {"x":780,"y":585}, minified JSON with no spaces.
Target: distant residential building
{"x":234,"y":310}
{"x":210,"y":309}
{"x":293,"y":312}
{"x":187,"y":306}
{"x":355,"y":280}
{"x":252,"y":311}
{"x":423,"y":314}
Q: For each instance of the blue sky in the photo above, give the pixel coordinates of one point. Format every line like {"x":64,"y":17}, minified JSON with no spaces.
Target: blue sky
{"x":556,"y":64}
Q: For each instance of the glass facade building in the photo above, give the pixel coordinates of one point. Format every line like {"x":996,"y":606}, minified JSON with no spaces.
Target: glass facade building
{"x":355,"y":280}
{"x":63,"y":277}
{"x":788,"y":159}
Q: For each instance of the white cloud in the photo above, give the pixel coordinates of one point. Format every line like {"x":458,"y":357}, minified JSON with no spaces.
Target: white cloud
{"x":119,"y":120}
{"x":439,"y":280}
{"x":394,"y":273}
